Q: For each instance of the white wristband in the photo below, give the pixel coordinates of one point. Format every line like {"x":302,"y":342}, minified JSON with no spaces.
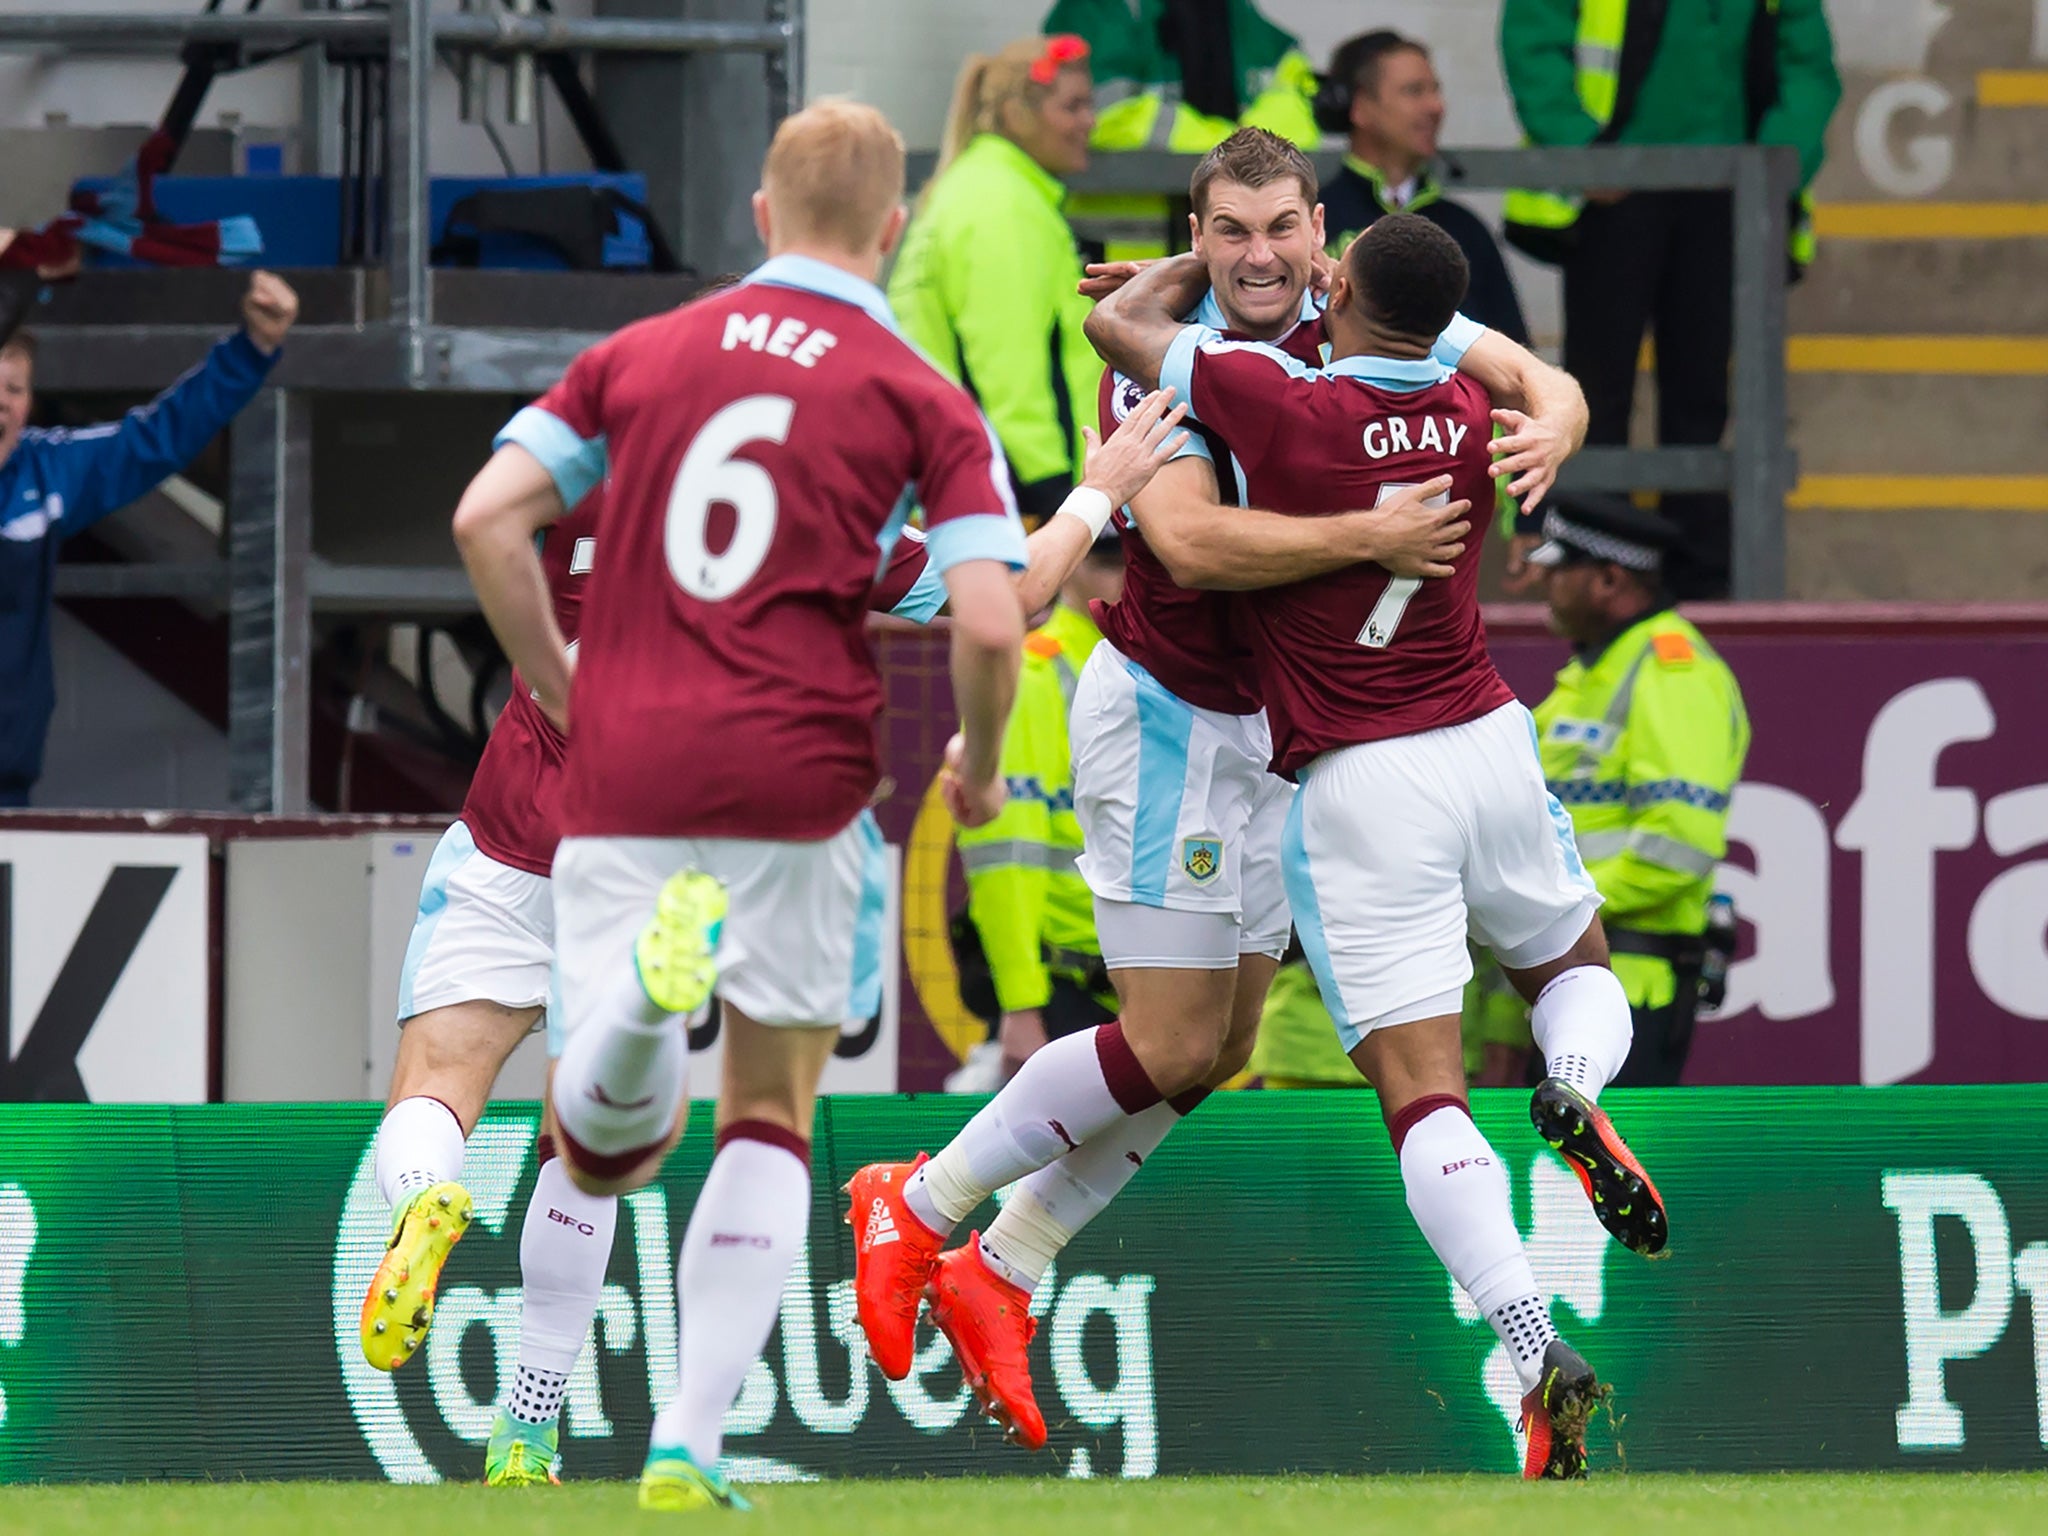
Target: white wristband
{"x":1089,"y":505}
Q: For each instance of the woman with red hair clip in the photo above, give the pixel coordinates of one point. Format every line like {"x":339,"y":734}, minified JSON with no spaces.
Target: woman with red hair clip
{"x":987,"y":276}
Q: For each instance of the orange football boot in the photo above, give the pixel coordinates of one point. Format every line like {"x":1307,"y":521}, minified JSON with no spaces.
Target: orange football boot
{"x":1555,"y":1412}
{"x":1623,"y":1197}
{"x":989,"y":1324}
{"x":893,"y":1253}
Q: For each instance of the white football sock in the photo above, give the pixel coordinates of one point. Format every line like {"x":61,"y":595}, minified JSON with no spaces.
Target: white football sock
{"x":744,"y":1235}
{"x":1045,"y":1211}
{"x":418,"y":1145}
{"x":1069,"y":1091}
{"x":621,"y":1078}
{"x":563,"y":1250}
{"x":537,"y":1395}
{"x":1581,"y":1023}
{"x":1523,"y":1326}
{"x":1458,"y":1196}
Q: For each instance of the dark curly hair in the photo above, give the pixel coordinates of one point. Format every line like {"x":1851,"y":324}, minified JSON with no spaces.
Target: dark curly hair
{"x":1409,"y":275}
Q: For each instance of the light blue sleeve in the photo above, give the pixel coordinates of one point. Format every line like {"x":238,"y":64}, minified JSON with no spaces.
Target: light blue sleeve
{"x":1458,"y":336}
{"x":927,"y":595}
{"x":577,"y":464}
{"x":982,"y":536}
{"x":1177,"y":373}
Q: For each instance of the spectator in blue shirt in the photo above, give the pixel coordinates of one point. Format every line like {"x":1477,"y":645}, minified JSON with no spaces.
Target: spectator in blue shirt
{"x":55,"y":481}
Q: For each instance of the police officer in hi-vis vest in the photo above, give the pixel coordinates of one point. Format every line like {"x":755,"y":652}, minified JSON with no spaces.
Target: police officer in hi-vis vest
{"x":1027,"y":905}
{"x":1642,"y":742}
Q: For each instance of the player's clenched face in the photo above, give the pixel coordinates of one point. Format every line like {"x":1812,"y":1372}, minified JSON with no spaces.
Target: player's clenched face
{"x":1259,"y":243}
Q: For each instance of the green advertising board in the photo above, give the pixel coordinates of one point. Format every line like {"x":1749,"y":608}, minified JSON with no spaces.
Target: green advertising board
{"x":1858,"y":1278}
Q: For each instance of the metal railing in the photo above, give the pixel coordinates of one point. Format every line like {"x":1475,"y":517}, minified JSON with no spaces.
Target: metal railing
{"x":1757,"y":470}
{"x":266,"y":575}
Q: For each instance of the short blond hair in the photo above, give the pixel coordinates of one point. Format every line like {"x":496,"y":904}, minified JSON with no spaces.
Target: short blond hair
{"x":833,"y":174}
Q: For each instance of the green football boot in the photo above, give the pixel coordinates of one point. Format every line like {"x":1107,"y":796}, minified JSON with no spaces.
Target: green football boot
{"x":672,"y":1480}
{"x":521,"y":1455}
{"x":677,"y":952}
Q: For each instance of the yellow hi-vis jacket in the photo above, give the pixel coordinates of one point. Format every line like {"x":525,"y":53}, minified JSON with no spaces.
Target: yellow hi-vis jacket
{"x":985,"y":284}
{"x":1643,"y":746}
{"x":1023,"y":891}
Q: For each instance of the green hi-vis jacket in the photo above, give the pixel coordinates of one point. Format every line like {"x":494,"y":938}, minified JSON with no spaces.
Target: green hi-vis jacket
{"x":1139,"y":104}
{"x":1701,"y":83}
{"x":985,"y":285}
{"x":1023,"y":891}
{"x":1643,"y":746}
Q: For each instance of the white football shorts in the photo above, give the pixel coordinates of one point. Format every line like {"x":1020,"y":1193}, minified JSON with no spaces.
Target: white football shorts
{"x":1396,"y":850}
{"x":802,"y":942}
{"x":485,"y":932}
{"x":1178,"y":813}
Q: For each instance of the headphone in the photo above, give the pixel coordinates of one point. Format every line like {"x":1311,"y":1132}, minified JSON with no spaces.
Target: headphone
{"x":1332,"y":104}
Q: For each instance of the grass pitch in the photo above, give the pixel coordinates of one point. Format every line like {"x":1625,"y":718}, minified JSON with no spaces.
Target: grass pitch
{"x":1856,"y":1504}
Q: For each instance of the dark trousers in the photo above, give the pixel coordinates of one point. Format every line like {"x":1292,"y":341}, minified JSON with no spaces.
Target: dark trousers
{"x":1662,"y":262}
{"x":14,"y":794}
{"x":1073,"y":1008}
{"x":1656,"y":1058}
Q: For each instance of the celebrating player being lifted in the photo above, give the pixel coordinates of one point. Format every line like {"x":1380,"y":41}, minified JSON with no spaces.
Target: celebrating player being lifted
{"x":1181,"y":819}
{"x":791,"y":406}
{"x":1422,"y":813}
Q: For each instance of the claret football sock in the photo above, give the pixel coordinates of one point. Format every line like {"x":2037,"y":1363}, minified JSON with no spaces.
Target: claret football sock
{"x":744,"y":1235}
{"x":621,"y":1078}
{"x":1045,"y":1211}
{"x":1458,"y":1196}
{"x":419,"y":1145}
{"x":563,"y":1250}
{"x":1069,"y":1091}
{"x":1581,"y":1023}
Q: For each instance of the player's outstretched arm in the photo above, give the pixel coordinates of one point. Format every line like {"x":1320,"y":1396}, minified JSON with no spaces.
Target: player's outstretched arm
{"x":512,"y":498}
{"x":1116,"y":470}
{"x":1208,"y":546}
{"x":1542,"y":408}
{"x":988,"y":630}
{"x":1133,"y":327}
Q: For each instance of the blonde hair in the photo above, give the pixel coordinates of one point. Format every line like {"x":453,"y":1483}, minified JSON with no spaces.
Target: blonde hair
{"x":990,"y":82}
{"x":833,"y":174}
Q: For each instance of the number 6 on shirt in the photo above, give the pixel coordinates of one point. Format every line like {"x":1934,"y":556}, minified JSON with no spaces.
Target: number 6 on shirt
{"x":1385,"y":617}
{"x":709,"y":473}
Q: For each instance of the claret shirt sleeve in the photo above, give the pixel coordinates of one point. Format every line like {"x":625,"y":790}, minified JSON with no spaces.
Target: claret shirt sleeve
{"x":963,"y":484}
{"x":564,"y":428}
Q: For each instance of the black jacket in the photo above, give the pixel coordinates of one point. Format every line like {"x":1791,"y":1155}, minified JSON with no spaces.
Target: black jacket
{"x":1357,"y":195}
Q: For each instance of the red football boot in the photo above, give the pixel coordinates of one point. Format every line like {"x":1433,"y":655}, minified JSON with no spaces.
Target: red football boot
{"x":1555,"y":1412}
{"x":989,"y":1323}
{"x":893,"y":1254}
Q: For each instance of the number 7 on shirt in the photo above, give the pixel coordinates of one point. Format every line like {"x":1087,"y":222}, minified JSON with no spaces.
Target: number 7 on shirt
{"x":1385,"y":617}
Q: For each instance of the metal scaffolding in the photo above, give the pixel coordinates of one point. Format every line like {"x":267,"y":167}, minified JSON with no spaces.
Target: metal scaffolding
{"x":400,"y":326}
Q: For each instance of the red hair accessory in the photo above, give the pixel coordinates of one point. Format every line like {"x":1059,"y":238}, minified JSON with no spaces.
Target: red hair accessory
{"x":1061,"y":50}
